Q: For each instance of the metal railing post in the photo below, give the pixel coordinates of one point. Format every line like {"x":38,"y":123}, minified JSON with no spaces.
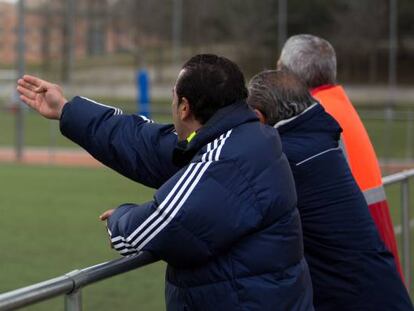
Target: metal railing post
{"x":405,"y":202}
{"x":71,"y":283}
{"x":73,"y":301}
{"x":409,"y":139}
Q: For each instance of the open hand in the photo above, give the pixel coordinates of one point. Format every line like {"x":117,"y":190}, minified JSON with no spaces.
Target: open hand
{"x":45,"y":97}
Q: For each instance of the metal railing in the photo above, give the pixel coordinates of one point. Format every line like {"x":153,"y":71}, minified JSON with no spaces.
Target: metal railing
{"x":71,"y":283}
{"x":406,"y":223}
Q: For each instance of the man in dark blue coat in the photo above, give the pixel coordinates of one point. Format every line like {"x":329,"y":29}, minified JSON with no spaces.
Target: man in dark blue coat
{"x":351,"y":269}
{"x":224,"y":217}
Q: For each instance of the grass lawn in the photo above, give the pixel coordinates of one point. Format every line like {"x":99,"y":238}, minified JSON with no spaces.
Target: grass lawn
{"x":48,"y":217}
{"x":50,"y":226}
{"x":393,"y":139}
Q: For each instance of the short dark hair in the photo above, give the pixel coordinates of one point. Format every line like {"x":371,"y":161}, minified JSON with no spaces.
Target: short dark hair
{"x":210,"y":82}
{"x":279,"y":95}
{"x":310,"y":57}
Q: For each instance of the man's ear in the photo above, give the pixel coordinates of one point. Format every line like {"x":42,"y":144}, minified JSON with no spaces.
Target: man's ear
{"x":260,"y":115}
{"x":184,"y":110}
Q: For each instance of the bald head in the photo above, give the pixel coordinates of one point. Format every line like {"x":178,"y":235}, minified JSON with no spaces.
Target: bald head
{"x":278,"y":95}
{"x":312,"y":58}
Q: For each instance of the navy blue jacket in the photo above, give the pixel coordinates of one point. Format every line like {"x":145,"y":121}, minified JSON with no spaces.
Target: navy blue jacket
{"x":350,"y":267}
{"x":226,"y":223}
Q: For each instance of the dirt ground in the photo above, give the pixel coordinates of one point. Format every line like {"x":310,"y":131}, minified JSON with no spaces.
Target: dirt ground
{"x":44,"y":156}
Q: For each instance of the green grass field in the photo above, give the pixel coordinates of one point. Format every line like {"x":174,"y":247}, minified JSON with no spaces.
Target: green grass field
{"x":50,"y":226}
{"x":393,"y":139}
{"x":49,"y":220}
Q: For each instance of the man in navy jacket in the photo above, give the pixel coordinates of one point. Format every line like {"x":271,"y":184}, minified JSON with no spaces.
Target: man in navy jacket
{"x":351,"y":269}
{"x":226,"y":222}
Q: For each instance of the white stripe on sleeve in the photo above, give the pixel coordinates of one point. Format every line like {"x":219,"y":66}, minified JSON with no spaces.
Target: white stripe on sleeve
{"x":173,"y":202}
{"x":117,"y":111}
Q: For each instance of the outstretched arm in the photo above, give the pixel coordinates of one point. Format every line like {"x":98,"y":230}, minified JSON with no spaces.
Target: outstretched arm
{"x":129,"y":144}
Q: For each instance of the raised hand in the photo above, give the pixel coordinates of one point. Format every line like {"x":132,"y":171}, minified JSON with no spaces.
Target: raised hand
{"x":45,"y":97}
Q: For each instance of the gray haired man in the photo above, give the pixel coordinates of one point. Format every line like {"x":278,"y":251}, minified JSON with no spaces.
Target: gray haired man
{"x":351,"y":269}
{"x":313,"y":59}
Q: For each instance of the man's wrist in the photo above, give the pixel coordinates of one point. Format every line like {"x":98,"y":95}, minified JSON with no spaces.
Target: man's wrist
{"x":61,"y":106}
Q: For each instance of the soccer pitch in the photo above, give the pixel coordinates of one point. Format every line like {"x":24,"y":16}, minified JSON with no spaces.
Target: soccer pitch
{"x":49,"y":219}
{"x":50,"y":226}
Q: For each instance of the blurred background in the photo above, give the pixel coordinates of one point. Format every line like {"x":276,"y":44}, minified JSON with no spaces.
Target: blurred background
{"x":127,"y":53}
{"x":99,"y":48}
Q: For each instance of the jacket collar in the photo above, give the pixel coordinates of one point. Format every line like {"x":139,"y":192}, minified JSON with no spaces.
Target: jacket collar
{"x":223,"y":120}
{"x":286,"y":121}
{"x":312,"y":119}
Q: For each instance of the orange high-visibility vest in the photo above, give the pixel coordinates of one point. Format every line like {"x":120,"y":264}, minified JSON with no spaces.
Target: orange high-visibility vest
{"x":361,"y":159}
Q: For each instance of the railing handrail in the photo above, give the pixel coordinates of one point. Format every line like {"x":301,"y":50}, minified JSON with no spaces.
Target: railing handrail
{"x":72,"y":281}
{"x":397,"y":177}
{"x":403,"y":178}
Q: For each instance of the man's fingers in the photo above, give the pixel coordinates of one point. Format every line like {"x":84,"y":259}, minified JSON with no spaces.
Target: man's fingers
{"x":26,"y":85}
{"x":104,"y":216}
{"x":29,"y":86}
{"x":33,"y":80}
{"x":35,"y":84}
{"x":27,"y":93}
{"x":30,"y":102}
{"x":41,"y":89}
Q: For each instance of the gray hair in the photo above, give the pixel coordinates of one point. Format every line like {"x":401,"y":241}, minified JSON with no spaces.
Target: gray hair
{"x":312,"y":58}
{"x":278,"y":95}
